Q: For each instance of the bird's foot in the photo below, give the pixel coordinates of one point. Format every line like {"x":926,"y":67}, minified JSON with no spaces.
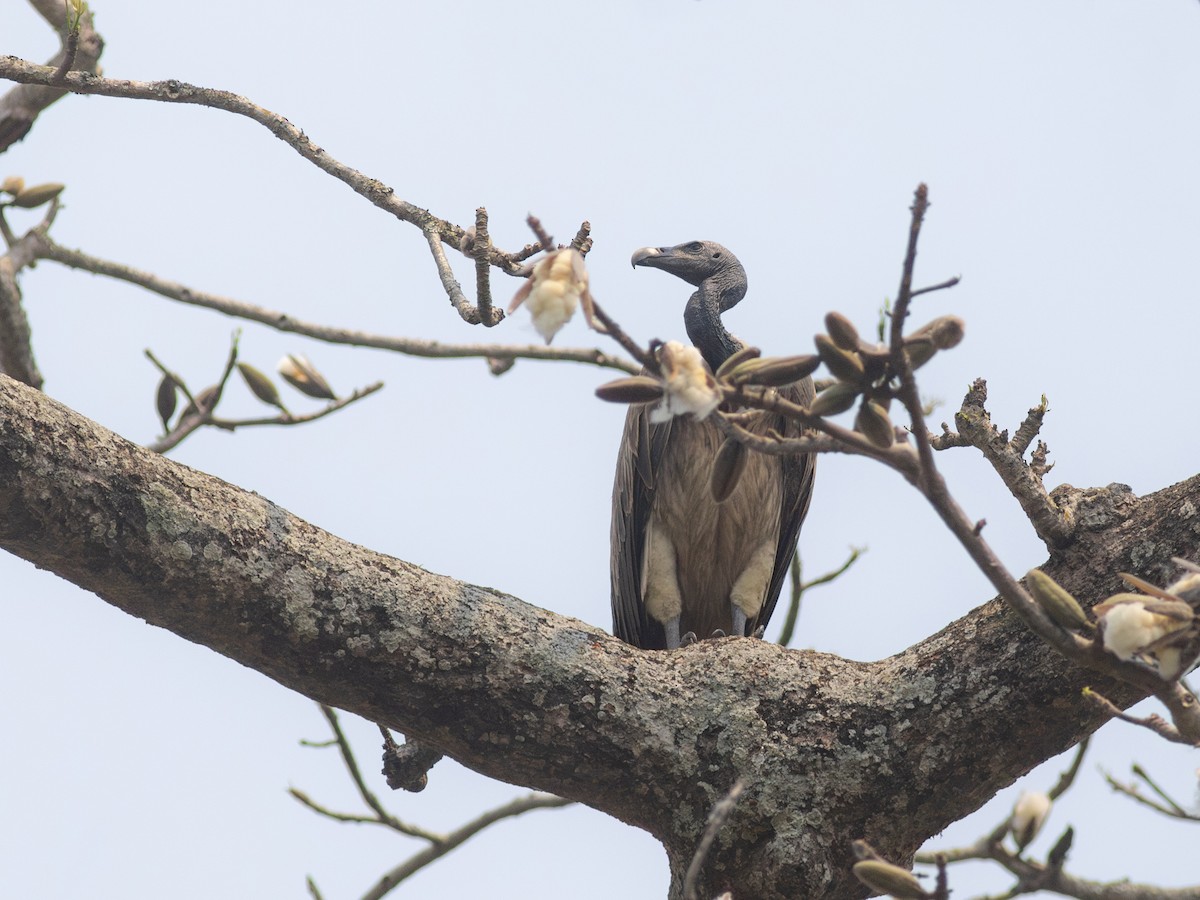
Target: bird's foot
{"x":759,"y":632}
{"x":739,"y":621}
{"x":688,"y":639}
{"x":718,"y":634}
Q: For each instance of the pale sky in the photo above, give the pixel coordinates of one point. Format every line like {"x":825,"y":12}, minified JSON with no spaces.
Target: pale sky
{"x":1060,"y":145}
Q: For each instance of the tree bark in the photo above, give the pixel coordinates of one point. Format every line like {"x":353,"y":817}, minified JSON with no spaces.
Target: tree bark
{"x":830,"y":749}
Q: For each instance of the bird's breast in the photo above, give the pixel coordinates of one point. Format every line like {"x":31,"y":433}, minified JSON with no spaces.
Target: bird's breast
{"x":714,"y":542}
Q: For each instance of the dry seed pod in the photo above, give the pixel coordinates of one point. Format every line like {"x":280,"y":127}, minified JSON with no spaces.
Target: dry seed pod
{"x":888,"y":879}
{"x":775,"y":371}
{"x":873,"y":423}
{"x":635,"y":389}
{"x":12,"y":185}
{"x":843,"y":364}
{"x":944,"y":331}
{"x":920,"y":349}
{"x":728,"y":465}
{"x":303,"y":376}
{"x":262,"y":386}
{"x":837,"y":398}
{"x":736,"y":359}
{"x":1056,"y":600}
{"x":30,"y":197}
{"x":165,"y":399}
{"x":842,"y":330}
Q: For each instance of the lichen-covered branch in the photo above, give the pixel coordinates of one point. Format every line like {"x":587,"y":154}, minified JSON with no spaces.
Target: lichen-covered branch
{"x":554,"y":704}
{"x":1024,"y":481}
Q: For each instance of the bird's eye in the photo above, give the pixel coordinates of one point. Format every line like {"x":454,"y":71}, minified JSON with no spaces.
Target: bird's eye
{"x":694,"y":247}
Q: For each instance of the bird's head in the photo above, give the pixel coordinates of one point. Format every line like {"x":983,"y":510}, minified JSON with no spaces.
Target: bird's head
{"x":694,"y":262}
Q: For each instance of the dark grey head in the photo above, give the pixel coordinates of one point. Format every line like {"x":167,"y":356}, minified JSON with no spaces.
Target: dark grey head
{"x":720,"y":281}
{"x":694,"y":262}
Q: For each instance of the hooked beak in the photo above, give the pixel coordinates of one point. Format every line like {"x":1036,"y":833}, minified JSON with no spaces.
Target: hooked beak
{"x":641,"y":256}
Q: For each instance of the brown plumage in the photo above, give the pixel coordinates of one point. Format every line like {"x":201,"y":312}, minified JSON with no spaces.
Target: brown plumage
{"x":681,"y":562}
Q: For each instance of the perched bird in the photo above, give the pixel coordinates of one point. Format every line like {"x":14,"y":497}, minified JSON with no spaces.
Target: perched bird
{"x":683,"y":562}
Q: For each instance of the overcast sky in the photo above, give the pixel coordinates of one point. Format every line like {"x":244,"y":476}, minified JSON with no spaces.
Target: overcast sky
{"x":1060,"y":145}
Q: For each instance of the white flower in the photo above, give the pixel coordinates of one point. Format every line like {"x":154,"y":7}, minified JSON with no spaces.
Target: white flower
{"x":556,"y":285}
{"x":1132,"y":625}
{"x":1028,"y":814}
{"x":690,"y":386}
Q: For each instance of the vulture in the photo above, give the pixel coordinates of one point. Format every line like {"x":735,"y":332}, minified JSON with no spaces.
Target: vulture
{"x":684,"y":565}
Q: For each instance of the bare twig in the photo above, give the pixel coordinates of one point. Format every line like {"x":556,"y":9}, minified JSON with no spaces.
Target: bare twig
{"x":1029,"y":428}
{"x":293,"y":419}
{"x":483,"y":286}
{"x":629,"y":344}
{"x":716,"y":820}
{"x":1067,"y":778}
{"x":368,"y":796}
{"x":70,"y":48}
{"x":907,"y":392}
{"x":173,"y":91}
{"x":942,"y":889}
{"x":1153,"y":722}
{"x":286,"y":323}
{"x":975,"y":429}
{"x":940,"y":286}
{"x":380,"y":815}
{"x":418,"y":861}
{"x":470,"y":314}
{"x":316,"y":807}
{"x":899,"y":456}
{"x":539,"y":231}
{"x":798,"y":589}
{"x":203,"y":408}
{"x":1168,"y":806}
{"x":583,"y":238}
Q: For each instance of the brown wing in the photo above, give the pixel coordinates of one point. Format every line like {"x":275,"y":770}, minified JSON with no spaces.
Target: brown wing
{"x":633,"y":494}
{"x":797,"y":477}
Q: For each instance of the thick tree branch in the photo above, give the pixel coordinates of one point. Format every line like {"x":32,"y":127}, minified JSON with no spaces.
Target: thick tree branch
{"x":534,"y":698}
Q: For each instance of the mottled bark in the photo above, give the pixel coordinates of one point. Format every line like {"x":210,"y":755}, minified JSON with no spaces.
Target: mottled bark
{"x":830,"y":749}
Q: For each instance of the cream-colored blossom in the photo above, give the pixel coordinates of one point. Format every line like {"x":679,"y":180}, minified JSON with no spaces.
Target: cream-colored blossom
{"x":690,"y":386}
{"x":1134,"y":626}
{"x":556,"y":286}
{"x":1028,"y":815}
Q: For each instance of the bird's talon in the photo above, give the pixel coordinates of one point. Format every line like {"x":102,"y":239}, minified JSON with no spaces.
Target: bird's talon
{"x":688,"y":639}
